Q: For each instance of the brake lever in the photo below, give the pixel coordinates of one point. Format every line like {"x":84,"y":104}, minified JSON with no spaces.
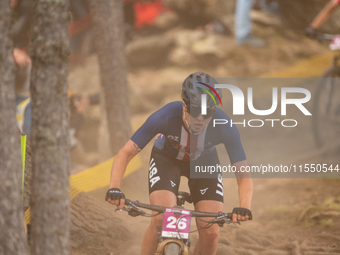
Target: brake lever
{"x":224,"y":220}
{"x":124,"y":209}
{"x":132,"y":210}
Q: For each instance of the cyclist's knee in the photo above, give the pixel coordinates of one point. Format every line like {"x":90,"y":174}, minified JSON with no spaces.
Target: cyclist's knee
{"x":156,"y":223}
{"x":210,"y":235}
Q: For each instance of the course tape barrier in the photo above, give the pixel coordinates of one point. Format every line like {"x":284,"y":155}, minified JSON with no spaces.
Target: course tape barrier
{"x":308,"y":68}
{"x":93,"y":178}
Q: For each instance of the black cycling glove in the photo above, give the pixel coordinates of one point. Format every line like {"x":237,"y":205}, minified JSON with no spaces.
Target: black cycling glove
{"x":114,"y":194}
{"x":243,"y":212}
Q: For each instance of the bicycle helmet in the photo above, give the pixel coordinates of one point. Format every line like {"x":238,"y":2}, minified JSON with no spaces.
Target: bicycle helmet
{"x":197,"y":84}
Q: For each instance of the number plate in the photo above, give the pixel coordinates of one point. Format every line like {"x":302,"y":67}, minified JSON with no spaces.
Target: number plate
{"x":174,"y":221}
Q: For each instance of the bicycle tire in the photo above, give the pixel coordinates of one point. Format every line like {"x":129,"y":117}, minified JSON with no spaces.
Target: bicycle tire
{"x":326,"y":108}
{"x":172,"y":249}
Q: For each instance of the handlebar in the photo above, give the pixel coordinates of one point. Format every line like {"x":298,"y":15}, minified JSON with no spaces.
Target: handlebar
{"x":133,"y":210}
{"x":156,"y":208}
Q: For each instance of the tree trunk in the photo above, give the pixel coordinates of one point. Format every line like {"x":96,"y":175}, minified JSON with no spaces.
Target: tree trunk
{"x":50,"y":137}
{"x":12,"y":226}
{"x":109,"y":27}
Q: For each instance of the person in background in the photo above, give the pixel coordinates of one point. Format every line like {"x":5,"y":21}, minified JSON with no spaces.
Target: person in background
{"x":78,"y":106}
{"x":243,"y":32}
{"x":321,"y":18}
{"x":270,"y":6}
{"x":22,"y":83}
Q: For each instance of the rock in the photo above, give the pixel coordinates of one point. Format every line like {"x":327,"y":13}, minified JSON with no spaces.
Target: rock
{"x":151,"y":50}
{"x":196,"y":46}
{"x":213,"y":45}
{"x":182,"y":54}
{"x":166,"y":21}
{"x":193,"y":13}
{"x":181,"y":57}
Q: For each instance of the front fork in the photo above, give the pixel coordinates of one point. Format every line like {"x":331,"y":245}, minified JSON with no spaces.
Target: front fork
{"x":163,"y":241}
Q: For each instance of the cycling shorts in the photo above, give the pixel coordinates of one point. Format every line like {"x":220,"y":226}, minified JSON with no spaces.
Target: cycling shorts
{"x":165,"y":173}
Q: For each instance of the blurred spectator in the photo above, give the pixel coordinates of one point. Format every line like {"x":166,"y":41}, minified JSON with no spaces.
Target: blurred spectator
{"x":78,"y":107}
{"x":243,"y":24}
{"x":141,"y":15}
{"x":321,"y":18}
{"x":22,"y":83}
{"x":270,"y":6}
{"x":146,"y":12}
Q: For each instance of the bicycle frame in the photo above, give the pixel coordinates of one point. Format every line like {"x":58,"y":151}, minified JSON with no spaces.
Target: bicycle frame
{"x":178,"y":219}
{"x":163,"y":242}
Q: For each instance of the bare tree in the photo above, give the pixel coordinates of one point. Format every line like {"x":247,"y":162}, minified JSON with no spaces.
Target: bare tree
{"x":12,"y":226}
{"x":109,"y":27}
{"x":50,"y":138}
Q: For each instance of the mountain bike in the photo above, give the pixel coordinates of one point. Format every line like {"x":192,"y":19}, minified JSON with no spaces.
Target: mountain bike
{"x":174,"y":238}
{"x":326,"y":106}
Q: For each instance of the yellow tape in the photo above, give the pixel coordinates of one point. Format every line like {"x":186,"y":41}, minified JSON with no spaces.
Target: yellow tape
{"x":98,"y":176}
{"x":309,"y":68}
{"x":23,"y":157}
{"x":93,"y":178}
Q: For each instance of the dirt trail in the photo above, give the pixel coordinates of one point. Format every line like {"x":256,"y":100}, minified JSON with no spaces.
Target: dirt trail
{"x":291,"y":216}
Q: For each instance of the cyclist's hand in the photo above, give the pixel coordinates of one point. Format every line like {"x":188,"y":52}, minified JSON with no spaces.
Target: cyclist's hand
{"x":311,"y":32}
{"x":241,"y":214}
{"x":116,"y":197}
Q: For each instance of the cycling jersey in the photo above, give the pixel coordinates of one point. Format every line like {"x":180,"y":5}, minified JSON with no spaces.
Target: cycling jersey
{"x":175,"y":140}
{"x":165,"y":174}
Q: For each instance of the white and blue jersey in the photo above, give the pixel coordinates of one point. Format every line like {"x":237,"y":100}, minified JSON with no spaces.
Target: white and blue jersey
{"x":176,"y":141}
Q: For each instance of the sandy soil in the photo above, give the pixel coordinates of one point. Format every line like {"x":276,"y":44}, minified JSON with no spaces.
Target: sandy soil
{"x":291,"y":215}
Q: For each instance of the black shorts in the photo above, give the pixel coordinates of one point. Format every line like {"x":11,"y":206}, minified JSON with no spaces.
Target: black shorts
{"x":165,"y":173}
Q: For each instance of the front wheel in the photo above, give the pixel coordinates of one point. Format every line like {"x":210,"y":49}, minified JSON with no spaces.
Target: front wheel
{"x":326,"y":109}
{"x":172,"y":249}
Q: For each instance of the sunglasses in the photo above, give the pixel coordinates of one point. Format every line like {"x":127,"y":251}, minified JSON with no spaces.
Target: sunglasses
{"x":196,"y":111}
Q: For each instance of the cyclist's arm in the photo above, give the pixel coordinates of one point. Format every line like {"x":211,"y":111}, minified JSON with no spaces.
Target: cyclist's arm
{"x":121,"y":161}
{"x":118,"y":169}
{"x":324,"y":14}
{"x":156,"y":123}
{"x":153,"y":125}
{"x":245,"y":190}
